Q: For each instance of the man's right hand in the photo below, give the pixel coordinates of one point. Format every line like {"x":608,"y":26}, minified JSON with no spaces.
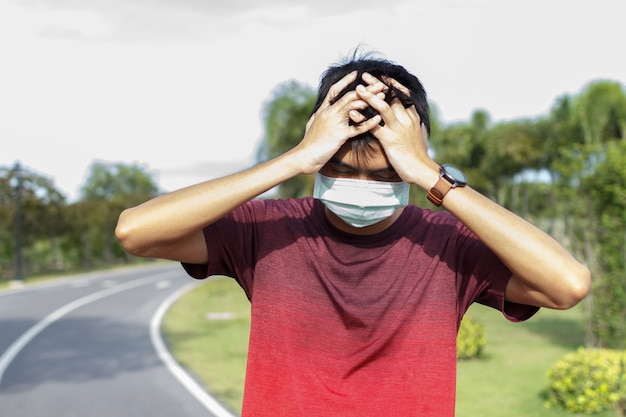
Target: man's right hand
{"x":329,"y":128}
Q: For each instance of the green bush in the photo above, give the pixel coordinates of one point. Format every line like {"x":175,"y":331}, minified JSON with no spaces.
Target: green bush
{"x":471,"y":339}
{"x":589,"y":381}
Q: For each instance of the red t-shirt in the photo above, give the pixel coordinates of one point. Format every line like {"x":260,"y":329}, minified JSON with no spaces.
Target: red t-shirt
{"x":353,"y":326}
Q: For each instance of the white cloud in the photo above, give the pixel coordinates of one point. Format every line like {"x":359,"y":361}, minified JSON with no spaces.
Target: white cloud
{"x":275,"y":14}
{"x":81,"y":23}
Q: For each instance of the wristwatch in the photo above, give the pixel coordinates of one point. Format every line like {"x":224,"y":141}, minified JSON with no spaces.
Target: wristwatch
{"x":449,"y":177}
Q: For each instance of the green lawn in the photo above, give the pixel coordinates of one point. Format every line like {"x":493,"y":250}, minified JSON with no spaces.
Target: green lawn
{"x":214,"y":350}
{"x":508,"y":381}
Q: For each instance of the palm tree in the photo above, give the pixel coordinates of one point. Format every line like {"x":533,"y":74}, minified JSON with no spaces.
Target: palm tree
{"x":285,"y":116}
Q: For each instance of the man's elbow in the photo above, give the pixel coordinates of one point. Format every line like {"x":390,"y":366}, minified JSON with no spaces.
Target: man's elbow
{"x":126,"y":235}
{"x":578,"y":284}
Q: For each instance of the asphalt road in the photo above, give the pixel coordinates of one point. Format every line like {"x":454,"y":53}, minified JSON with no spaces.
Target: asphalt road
{"x":90,"y":346}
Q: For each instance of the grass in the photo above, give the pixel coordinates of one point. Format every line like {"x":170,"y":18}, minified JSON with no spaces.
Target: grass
{"x":509,"y":380}
{"x":214,"y":350}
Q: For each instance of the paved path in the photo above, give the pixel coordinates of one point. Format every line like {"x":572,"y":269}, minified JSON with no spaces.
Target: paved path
{"x":90,"y":346}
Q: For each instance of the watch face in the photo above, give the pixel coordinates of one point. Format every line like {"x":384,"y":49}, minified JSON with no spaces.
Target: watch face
{"x":454,"y":174}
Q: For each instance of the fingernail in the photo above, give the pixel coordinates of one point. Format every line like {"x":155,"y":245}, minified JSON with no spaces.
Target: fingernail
{"x":360,"y":88}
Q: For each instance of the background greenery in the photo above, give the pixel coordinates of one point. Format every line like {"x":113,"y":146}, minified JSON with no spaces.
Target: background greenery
{"x":60,"y":237}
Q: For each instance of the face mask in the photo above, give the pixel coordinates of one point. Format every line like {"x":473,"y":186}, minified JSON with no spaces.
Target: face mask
{"x":360,"y":203}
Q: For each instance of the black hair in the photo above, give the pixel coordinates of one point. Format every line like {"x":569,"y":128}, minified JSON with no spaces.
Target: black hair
{"x":382,"y":69}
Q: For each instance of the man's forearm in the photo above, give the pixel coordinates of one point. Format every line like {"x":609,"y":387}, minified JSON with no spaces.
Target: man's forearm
{"x":546,"y":273}
{"x":176,"y":215}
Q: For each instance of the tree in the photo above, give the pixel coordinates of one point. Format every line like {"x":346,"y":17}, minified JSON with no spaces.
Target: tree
{"x":41,"y":220}
{"x":588,"y":166}
{"x":512,"y":150}
{"x":130,"y":184}
{"x":285,"y":116}
{"x":463,"y":145}
{"x":607,"y":189}
{"x":601,"y":112}
{"x":109,"y":189}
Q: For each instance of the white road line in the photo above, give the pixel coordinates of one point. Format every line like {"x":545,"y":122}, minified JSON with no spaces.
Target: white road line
{"x":163,"y":284}
{"x":16,"y":347}
{"x":188,"y":382}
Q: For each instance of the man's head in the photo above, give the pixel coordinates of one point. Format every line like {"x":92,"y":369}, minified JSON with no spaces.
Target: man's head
{"x":362,"y":191}
{"x":383,"y":70}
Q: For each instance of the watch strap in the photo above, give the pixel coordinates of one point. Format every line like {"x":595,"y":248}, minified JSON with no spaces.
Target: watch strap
{"x":439,"y":191}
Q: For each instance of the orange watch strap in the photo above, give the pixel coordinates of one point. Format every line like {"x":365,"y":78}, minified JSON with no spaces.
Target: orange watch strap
{"x":439,"y":191}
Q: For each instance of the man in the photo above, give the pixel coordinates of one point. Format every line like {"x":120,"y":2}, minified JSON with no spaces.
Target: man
{"x":357,"y":296}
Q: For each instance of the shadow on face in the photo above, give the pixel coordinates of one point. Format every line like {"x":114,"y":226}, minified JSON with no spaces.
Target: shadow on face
{"x":361,"y":159}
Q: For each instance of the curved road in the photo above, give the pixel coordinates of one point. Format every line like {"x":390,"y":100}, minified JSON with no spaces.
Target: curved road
{"x":90,"y":346}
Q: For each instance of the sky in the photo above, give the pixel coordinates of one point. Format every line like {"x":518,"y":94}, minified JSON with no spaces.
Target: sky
{"x":178,"y":86}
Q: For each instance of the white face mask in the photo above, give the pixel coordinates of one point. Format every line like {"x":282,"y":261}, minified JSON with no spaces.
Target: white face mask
{"x":360,"y":203}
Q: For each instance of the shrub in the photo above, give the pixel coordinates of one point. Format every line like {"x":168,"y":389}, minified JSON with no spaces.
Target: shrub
{"x":589,"y":381}
{"x":471,"y":339}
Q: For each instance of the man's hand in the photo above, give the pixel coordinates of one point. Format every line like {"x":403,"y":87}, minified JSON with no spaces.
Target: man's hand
{"x":403,"y":135}
{"x":329,"y":128}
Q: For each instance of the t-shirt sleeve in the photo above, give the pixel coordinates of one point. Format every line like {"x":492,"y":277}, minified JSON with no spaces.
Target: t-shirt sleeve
{"x":483,"y":278}
{"x":232,"y":245}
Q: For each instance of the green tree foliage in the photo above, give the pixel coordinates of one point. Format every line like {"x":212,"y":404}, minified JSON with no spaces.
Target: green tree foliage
{"x":285,"y":116}
{"x":41,"y":218}
{"x":601,"y":112}
{"x":598,"y":176}
{"x":464,"y":145}
{"x":606,"y":188}
{"x":57,"y":236}
{"x":129,"y":184}
{"x":492,"y":155}
{"x":108,"y":190}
